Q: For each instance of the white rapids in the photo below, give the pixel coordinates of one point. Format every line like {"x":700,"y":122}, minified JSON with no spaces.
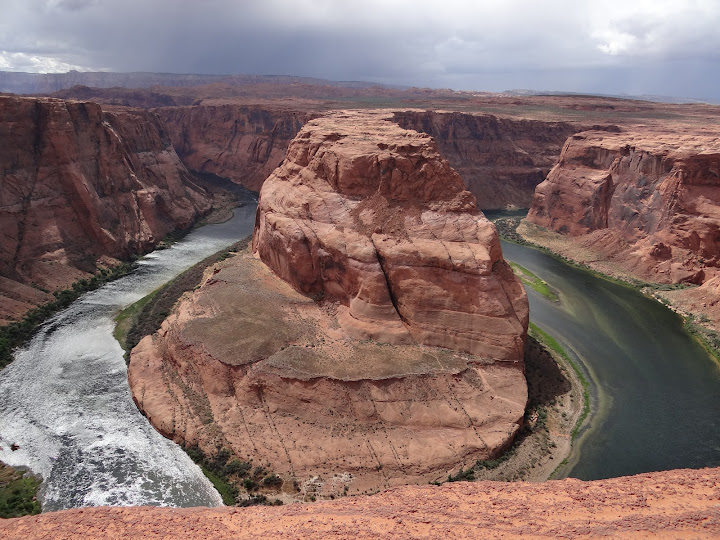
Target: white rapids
{"x":65,"y":404}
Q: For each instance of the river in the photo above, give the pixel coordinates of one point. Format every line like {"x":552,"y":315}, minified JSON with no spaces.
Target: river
{"x":657,"y":391}
{"x":66,"y":404}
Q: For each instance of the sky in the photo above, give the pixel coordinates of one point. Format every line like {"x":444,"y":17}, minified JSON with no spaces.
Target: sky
{"x":637,"y":47}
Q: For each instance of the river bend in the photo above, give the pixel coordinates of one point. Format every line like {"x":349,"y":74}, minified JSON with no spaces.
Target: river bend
{"x":657,"y":399}
{"x":66,"y":404}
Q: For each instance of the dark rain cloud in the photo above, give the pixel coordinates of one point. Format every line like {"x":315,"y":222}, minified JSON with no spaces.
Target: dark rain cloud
{"x":660,"y":47}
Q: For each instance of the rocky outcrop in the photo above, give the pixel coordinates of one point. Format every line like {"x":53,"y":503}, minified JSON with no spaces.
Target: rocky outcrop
{"x":673,"y":504}
{"x":242,"y":143}
{"x":648,"y":201}
{"x":396,"y":355}
{"x":501,"y":160}
{"x":79,"y":183}
{"x":370,"y":215}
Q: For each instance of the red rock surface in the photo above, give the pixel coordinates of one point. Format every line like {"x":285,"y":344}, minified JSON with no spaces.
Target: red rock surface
{"x":647,"y":200}
{"x":242,"y":143}
{"x":400,"y":358}
{"x":501,"y":160}
{"x":673,"y":504}
{"x":370,"y":215}
{"x":79,"y":183}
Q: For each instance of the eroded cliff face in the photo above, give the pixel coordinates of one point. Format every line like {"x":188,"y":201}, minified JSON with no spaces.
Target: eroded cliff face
{"x":372,"y":216}
{"x":79,"y":183}
{"x":374,"y":339}
{"x":501,"y":160}
{"x":242,"y":143}
{"x":648,"y":201}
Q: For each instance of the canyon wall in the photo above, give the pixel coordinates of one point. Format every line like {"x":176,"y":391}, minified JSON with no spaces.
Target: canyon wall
{"x":501,"y":160}
{"x":647,"y":201}
{"x":242,"y":143}
{"x":375,"y":337}
{"x":80,"y":183}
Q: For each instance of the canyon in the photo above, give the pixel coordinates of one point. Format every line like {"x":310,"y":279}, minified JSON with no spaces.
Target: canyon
{"x":357,"y":374}
{"x":83,"y":187}
{"x":639,"y":203}
{"x":349,"y":354}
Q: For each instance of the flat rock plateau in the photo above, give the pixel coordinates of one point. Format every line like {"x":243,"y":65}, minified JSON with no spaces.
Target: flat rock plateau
{"x":376,"y":336}
{"x":672,"y":504}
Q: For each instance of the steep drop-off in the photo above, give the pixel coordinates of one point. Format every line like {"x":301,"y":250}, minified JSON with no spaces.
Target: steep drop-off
{"x":396,"y":355}
{"x":242,"y":143}
{"x":79,"y":183}
{"x":672,"y":504}
{"x":501,"y":160}
{"x":647,"y":201}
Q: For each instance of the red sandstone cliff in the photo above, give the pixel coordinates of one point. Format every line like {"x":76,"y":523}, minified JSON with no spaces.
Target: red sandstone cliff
{"x":672,"y":504}
{"x":372,"y":216}
{"x":396,"y":358}
{"x":242,"y":143}
{"x":501,"y":160}
{"x":79,"y":183}
{"x":648,"y":201}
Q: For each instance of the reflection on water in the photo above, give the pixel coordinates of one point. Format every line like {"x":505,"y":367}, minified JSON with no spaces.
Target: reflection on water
{"x":66,"y":403}
{"x":659,"y":389}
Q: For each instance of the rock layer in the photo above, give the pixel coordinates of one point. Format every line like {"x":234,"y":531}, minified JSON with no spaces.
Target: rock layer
{"x":673,"y":504}
{"x":396,"y":355}
{"x":501,"y":160}
{"x":648,"y":201}
{"x":242,"y":143}
{"x":79,"y":183}
{"x":370,"y":215}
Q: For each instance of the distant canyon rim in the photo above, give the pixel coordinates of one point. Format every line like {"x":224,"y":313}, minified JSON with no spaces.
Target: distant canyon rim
{"x":628,"y":187}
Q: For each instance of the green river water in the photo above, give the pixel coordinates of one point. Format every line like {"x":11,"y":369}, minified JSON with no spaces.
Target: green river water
{"x":656,"y":391}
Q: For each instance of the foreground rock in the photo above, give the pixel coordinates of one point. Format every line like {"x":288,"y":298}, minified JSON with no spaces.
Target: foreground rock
{"x":673,"y":504}
{"x":396,"y":355}
{"x":80,"y":183}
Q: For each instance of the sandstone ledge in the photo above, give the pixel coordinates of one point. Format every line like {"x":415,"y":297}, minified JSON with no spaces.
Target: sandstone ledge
{"x":672,"y":504}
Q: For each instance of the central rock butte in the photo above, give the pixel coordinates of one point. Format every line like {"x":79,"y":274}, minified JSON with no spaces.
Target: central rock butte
{"x":376,"y":336}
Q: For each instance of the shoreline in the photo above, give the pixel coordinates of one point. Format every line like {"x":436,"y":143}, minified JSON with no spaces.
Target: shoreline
{"x":695,"y":322}
{"x":545,"y":442}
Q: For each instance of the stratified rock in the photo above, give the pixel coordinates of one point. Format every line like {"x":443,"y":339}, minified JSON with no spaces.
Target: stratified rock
{"x":369,"y":214}
{"x":242,"y":143}
{"x":79,"y":183}
{"x":501,"y":160}
{"x":671,"y":504}
{"x":396,"y":355}
{"x":648,"y":201}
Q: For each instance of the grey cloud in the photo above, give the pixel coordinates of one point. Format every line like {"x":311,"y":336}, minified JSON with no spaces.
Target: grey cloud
{"x":576,"y":46}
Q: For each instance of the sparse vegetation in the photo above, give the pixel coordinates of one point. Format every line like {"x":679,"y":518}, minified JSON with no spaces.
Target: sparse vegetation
{"x":15,"y":334}
{"x":534,"y":282}
{"x":228,"y":474}
{"x":145,"y":316}
{"x":18,"y":493}
{"x":550,"y":342}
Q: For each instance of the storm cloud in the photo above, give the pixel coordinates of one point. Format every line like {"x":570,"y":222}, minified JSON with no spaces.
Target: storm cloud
{"x":614,"y":46}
